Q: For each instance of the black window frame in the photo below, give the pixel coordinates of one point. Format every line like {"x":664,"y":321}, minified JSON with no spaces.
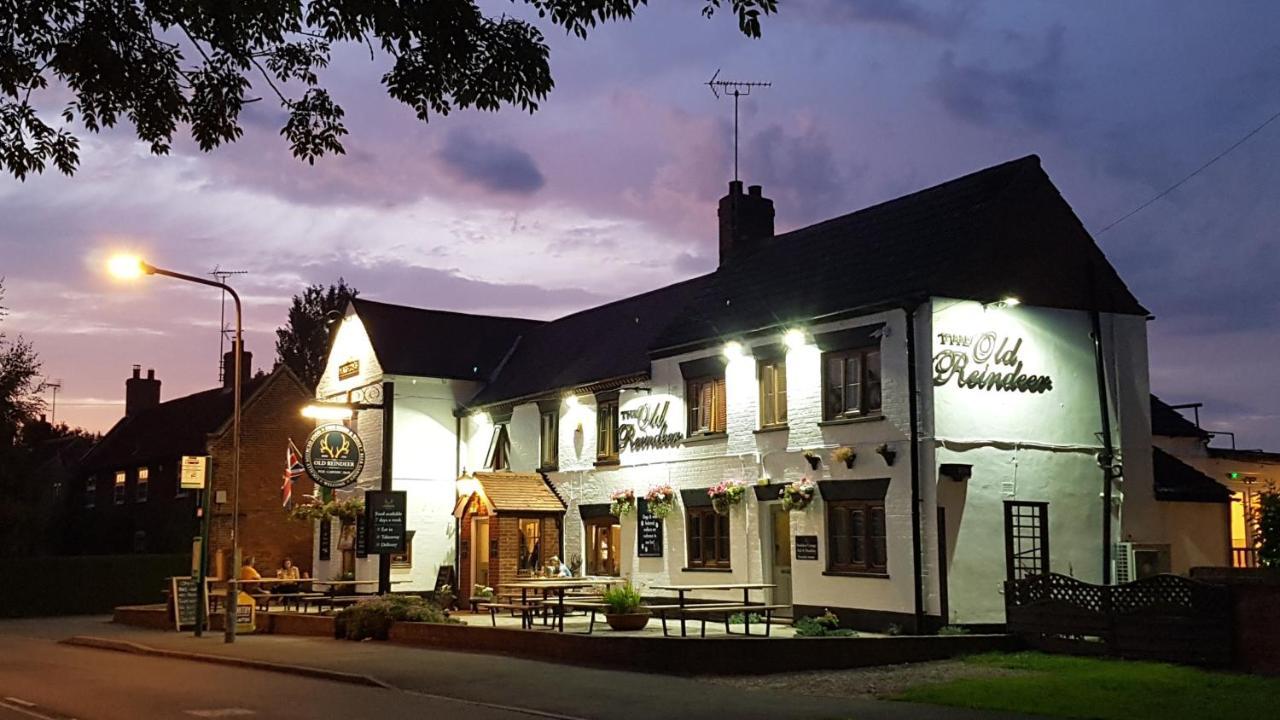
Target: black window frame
{"x":142,"y":486}
{"x":91,"y":492}
{"x":120,"y":488}
{"x":874,"y":555}
{"x":865,"y":407}
{"x":775,"y":367}
{"x":721,"y":541}
{"x":603,"y":523}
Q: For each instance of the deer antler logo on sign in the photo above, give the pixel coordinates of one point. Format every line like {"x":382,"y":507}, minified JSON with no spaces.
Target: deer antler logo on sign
{"x":327,"y":450}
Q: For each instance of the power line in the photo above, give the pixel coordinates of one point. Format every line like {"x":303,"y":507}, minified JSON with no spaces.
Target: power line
{"x":1195,"y":172}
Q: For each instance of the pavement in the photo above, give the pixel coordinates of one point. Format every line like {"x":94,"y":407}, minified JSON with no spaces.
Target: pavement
{"x":366,"y":679}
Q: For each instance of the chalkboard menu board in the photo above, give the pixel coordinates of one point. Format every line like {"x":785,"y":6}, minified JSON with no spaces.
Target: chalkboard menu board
{"x":806,"y":547}
{"x":649,"y":532}
{"x":184,"y":592}
{"x":385,"y":511}
{"x":362,"y":540}
{"x":326,"y":538}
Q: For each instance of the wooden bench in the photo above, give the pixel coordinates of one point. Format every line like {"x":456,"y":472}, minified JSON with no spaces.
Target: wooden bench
{"x":525,"y":610}
{"x":701,"y":611}
{"x":590,"y":607}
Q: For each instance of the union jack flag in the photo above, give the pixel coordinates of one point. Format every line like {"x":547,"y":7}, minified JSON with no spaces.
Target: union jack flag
{"x":293,"y":469}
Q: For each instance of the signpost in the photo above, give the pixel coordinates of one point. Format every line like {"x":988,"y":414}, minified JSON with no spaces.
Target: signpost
{"x":385,"y":515}
{"x":649,"y":532}
{"x":193,"y":474}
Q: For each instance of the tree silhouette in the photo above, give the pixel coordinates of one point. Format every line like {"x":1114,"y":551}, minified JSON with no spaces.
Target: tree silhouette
{"x":303,"y":343}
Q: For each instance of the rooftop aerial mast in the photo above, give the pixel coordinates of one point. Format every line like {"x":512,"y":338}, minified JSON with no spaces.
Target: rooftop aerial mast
{"x":734,"y":89}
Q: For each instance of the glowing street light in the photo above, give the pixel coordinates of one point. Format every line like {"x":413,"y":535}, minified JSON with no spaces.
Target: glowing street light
{"x":129,"y":267}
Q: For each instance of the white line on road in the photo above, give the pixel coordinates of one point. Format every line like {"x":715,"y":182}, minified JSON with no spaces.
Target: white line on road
{"x":220,"y":712}
{"x":20,"y":701}
{"x":24,"y":707}
{"x":496,"y":706}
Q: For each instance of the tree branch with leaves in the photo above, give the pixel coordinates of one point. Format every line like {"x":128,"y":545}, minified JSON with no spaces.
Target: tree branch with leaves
{"x":158,"y":64}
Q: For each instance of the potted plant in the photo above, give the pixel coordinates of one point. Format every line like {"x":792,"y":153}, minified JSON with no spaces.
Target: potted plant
{"x":623,"y":503}
{"x":661,"y":500}
{"x":886,"y":452}
{"x":844,"y":454}
{"x":725,"y":495}
{"x":797,"y":495}
{"x":623,"y":608}
{"x":812,"y":457}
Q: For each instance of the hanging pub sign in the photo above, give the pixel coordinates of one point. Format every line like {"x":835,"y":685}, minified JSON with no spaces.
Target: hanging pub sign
{"x":334,"y":456}
{"x":648,"y":532}
{"x":384,"y":512}
{"x":984,"y":362}
{"x":645,"y":428}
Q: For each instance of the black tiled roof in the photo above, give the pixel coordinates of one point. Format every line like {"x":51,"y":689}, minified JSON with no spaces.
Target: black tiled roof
{"x":1167,"y":422}
{"x":998,"y":232}
{"x":438,"y":343}
{"x":606,"y":342}
{"x":173,"y":428}
{"x":1253,"y":456}
{"x":1179,"y":482}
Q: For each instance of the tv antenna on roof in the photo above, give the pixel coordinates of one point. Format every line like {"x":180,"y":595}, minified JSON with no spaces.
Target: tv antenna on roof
{"x":224,"y":332}
{"x":734,"y":89}
{"x":54,"y":386}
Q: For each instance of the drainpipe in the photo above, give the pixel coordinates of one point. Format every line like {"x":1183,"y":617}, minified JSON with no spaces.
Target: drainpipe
{"x":914,"y":414}
{"x":1107,"y":458}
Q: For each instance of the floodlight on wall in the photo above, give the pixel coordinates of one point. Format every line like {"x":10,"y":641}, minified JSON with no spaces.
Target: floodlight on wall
{"x":1002,"y":303}
{"x":733,"y":349}
{"x":956,"y":471}
{"x":795,"y":338}
{"x":327,"y":411}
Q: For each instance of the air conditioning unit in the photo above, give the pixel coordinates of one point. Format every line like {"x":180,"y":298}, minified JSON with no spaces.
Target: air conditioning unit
{"x":1134,"y":561}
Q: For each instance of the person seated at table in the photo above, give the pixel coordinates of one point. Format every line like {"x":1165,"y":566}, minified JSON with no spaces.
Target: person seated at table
{"x":248,"y":574}
{"x":558,"y":568}
{"x":287,"y":571}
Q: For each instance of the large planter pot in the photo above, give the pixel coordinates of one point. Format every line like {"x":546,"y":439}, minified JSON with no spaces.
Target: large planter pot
{"x":628,"y":621}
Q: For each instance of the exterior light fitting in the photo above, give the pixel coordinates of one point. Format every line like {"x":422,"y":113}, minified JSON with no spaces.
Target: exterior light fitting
{"x":1005,"y":302}
{"x":327,"y":411}
{"x":128,"y":267}
{"x":795,"y":338}
{"x":733,"y":349}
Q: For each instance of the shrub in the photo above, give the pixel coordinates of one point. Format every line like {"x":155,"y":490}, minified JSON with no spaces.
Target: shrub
{"x":739,"y":619}
{"x":622,"y":600}
{"x":825,"y":625}
{"x":1267,"y":525}
{"x":372,"y":618}
{"x":953,"y":630}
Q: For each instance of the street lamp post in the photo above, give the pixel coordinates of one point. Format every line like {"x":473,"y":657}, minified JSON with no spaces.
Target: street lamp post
{"x":132,"y":267}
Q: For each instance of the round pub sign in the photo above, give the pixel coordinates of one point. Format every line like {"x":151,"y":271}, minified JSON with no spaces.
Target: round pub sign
{"x":334,"y":456}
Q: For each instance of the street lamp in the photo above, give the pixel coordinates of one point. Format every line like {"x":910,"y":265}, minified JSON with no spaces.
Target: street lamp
{"x":129,"y":267}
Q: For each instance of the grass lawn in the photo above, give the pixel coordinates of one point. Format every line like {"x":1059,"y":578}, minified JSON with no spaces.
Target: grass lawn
{"x":1076,"y":687}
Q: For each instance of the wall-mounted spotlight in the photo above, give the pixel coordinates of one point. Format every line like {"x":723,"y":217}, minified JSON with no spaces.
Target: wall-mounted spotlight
{"x":1004,"y":302}
{"x":795,"y":338}
{"x":733,"y":349}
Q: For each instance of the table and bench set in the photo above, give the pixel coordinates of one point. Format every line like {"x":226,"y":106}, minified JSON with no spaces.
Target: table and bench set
{"x":339,"y":593}
{"x":559,"y":596}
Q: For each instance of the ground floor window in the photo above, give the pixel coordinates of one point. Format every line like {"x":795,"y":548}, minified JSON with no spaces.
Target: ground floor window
{"x":604,"y":544}
{"x":530,"y":544}
{"x":708,"y":533}
{"x":856,"y":536}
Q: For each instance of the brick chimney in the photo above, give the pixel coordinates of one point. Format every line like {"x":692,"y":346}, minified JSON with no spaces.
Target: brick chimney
{"x":745,"y":220}
{"x":229,"y":368}
{"x":141,"y":393}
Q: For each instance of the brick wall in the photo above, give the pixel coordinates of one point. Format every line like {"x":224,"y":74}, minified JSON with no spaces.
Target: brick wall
{"x":266,"y":533}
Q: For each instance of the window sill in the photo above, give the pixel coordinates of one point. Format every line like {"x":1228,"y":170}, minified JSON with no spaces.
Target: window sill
{"x":772,"y":428}
{"x":856,"y":574}
{"x":608,"y":462}
{"x":704,"y":437}
{"x":710,"y":570}
{"x":853,"y":420}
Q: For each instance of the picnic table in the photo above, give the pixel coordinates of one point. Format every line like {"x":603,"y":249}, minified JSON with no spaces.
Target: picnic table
{"x":683,"y":608}
{"x":557,"y":586}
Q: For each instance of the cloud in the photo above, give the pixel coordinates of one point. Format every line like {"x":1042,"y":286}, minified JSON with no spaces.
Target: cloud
{"x":1028,"y":95}
{"x":901,"y":14}
{"x":799,"y":170}
{"x":493,"y":165}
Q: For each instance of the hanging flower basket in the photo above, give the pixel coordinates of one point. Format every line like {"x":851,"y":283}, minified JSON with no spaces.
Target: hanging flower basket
{"x":797,"y":495}
{"x":844,"y":454}
{"x":661,"y":500}
{"x":813,"y":459}
{"x":624,"y":503}
{"x":726,"y":494}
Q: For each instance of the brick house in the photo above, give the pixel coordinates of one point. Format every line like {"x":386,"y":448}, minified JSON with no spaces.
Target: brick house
{"x":127,"y":498}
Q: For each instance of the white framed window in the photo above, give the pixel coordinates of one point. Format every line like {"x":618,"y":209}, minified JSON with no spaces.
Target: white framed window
{"x":118,"y":491}
{"x":499,"y":457}
{"x":143,"y":488}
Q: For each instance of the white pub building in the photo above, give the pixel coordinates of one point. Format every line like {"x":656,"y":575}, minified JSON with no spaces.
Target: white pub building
{"x":959,"y":372}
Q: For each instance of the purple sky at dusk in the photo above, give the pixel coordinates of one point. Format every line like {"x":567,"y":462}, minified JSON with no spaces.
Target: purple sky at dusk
{"x":611,"y":188}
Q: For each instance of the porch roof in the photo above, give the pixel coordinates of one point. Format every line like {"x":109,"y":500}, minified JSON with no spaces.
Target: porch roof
{"x":514,"y":492}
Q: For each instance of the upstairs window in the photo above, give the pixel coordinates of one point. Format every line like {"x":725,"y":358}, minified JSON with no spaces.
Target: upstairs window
{"x":773,"y":392}
{"x":705,"y":399}
{"x":607,"y":428}
{"x":499,"y":457}
{"x":143,"y":488}
{"x":118,"y":491}
{"x":850,"y":383}
{"x":549,"y":436}
{"x":91,"y":493}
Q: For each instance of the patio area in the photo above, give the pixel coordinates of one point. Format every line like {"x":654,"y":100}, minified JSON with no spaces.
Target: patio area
{"x":577,"y":623}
